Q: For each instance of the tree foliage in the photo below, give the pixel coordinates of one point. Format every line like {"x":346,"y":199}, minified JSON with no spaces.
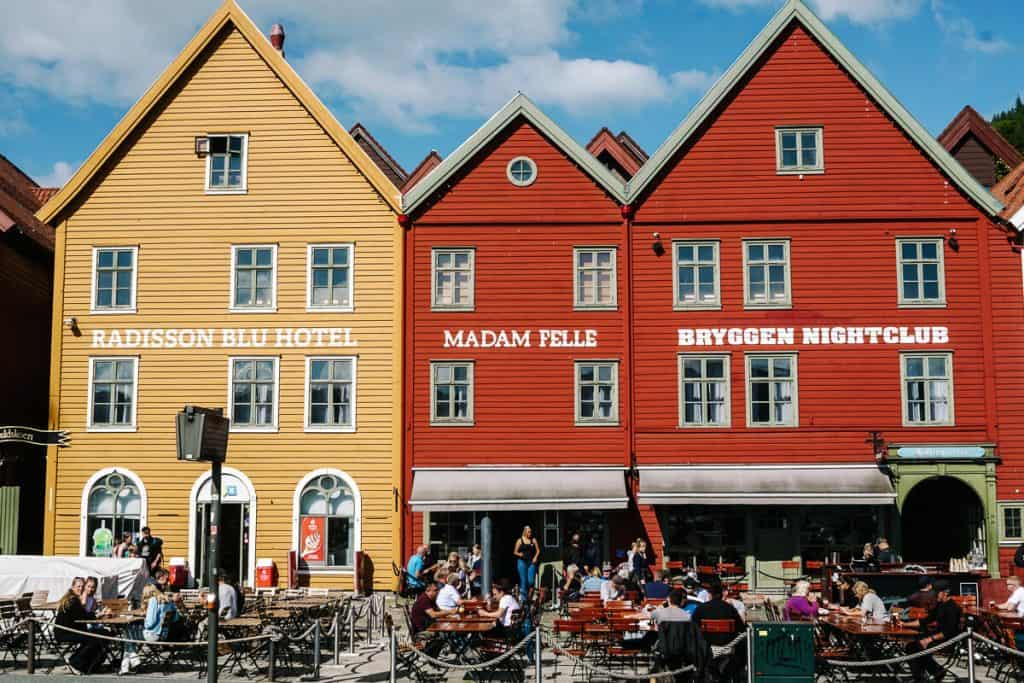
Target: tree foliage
{"x":1010,"y":124}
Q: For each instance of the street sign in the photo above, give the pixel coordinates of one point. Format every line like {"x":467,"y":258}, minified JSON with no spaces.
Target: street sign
{"x":35,"y":437}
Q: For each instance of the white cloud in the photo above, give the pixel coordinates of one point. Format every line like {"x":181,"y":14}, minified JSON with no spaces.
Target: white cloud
{"x":58,"y":175}
{"x":961,"y":30}
{"x":857,"y":11}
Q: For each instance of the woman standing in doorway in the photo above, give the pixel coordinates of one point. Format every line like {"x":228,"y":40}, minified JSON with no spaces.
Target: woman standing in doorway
{"x":526,"y":551}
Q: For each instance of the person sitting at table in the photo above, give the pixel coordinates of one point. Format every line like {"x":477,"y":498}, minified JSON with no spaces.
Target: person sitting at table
{"x":89,"y":601}
{"x":718,"y":608}
{"x":572,"y":587}
{"x":593,"y":583}
{"x":448,"y":598}
{"x":732,"y":597}
{"x":70,"y":612}
{"x":613,"y":590}
{"x":658,"y":589}
{"x":425,"y":610}
{"x":883,"y":553}
{"x":924,"y":596}
{"x":505,"y":614}
{"x":1015,"y":602}
{"x":476,"y":571}
{"x":867,"y":562}
{"x":869,"y":605}
{"x":417,"y":570}
{"x":163,"y":621}
{"x":942,"y":623}
{"x":799,"y":606}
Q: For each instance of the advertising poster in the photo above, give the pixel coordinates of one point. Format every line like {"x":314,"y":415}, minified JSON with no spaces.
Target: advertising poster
{"x":311,"y":539}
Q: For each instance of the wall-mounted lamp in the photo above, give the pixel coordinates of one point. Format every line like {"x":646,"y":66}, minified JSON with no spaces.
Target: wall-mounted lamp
{"x":953,"y":243}
{"x":72,"y":324}
{"x":657,"y":246}
{"x":202,"y":146}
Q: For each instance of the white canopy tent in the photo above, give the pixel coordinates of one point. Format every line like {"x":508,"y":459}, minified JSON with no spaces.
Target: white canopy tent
{"x":32,"y":573}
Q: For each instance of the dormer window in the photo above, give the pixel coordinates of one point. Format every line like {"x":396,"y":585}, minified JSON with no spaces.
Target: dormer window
{"x":226,"y":163}
{"x":799,"y":150}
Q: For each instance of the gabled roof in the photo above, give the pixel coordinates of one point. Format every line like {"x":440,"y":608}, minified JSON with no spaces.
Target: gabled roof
{"x":795,"y":10}
{"x":385,"y":162}
{"x":969,"y":121}
{"x":429,"y":163}
{"x":229,"y":13}
{"x":1010,"y":191}
{"x":632,"y":145}
{"x":518,"y":107}
{"x":18,"y":202}
{"x":621,"y":153}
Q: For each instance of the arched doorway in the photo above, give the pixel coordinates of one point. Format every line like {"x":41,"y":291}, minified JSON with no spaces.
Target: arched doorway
{"x":237,"y":530}
{"x":942,"y":517}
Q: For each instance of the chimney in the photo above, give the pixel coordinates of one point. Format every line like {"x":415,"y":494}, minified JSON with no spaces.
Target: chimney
{"x":277,"y":38}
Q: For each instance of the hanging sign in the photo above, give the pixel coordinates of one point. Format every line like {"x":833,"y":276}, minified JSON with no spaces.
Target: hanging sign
{"x":211,"y":337}
{"x":811,"y":336}
{"x":35,"y":437}
{"x":311,"y":539}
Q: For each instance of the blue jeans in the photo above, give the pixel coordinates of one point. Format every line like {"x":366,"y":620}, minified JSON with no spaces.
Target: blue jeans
{"x":527,"y":575}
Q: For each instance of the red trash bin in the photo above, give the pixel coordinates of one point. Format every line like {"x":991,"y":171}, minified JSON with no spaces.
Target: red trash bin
{"x":178,"y":570}
{"x":266,"y":574}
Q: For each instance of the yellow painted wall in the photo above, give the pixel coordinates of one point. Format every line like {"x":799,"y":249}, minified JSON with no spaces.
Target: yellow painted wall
{"x":302,"y":189}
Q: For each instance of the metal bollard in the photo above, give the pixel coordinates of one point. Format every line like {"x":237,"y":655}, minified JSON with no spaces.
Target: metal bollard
{"x":316,"y":650}
{"x":537,"y":644}
{"x":352,"y":630}
{"x":337,"y":637}
{"x":30,"y":665}
{"x":392,"y":654}
{"x":970,"y":654}
{"x":271,"y":665}
{"x":369,"y":622}
{"x":750,"y":653}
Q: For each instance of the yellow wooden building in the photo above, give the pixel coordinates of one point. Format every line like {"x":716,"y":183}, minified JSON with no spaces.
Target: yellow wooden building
{"x":229,"y":245}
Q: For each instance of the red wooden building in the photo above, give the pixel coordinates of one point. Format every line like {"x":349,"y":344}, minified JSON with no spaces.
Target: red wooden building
{"x":826,"y":319}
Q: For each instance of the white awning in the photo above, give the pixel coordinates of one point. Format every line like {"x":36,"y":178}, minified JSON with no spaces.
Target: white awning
{"x":765,"y":485}
{"x":468,"y":489}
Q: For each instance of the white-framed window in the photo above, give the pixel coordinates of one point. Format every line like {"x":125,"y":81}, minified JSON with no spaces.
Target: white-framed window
{"x":594,"y":278}
{"x":330,"y":277}
{"x":766,"y":273}
{"x":1011,"y":522}
{"x":226,"y":163}
{"x":253,"y":393}
{"x":703,"y":390}
{"x":922,"y":278}
{"x":772,"y":390}
{"x":696,"y":274}
{"x":552,"y":531}
{"x":327,"y":520}
{"x":451,"y":392}
{"x":453,"y":275}
{"x":113,"y":400}
{"x":521,"y":171}
{"x":799,"y":150}
{"x":927,"y":388}
{"x":597,"y":392}
{"x":331,"y":393}
{"x":113,"y":504}
{"x":114,"y":278}
{"x":253,"y":278}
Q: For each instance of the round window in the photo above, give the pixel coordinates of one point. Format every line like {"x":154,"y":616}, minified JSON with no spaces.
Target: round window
{"x":521,"y":171}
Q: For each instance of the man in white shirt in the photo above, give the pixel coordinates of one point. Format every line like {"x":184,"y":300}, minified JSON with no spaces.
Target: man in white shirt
{"x":507,"y":607}
{"x":1016,"y":601}
{"x":449,"y":599}
{"x":226,"y":597}
{"x":612,"y":590}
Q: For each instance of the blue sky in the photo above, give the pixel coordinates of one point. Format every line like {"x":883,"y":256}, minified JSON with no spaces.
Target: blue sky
{"x":424,"y":75}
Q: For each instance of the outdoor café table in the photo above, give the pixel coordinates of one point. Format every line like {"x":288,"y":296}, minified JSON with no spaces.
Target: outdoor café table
{"x":872,"y":639}
{"x":461,"y":635}
{"x":241,"y":627}
{"x":1008,"y":617}
{"x":115,"y":626}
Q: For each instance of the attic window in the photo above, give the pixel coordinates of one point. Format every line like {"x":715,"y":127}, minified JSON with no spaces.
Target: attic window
{"x":226,"y":163}
{"x":521,"y":171}
{"x":799,"y":150}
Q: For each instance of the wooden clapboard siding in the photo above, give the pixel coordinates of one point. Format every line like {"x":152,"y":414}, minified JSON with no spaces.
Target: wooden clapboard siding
{"x":302,"y":189}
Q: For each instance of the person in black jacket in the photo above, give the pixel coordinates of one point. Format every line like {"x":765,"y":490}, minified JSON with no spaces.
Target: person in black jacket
{"x":70,"y":612}
{"x":573,"y":552}
{"x":941,"y":624}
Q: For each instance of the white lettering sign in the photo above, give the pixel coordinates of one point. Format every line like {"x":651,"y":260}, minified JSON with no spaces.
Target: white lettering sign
{"x":520,"y":339}
{"x":811,"y":336}
{"x":209,"y":337}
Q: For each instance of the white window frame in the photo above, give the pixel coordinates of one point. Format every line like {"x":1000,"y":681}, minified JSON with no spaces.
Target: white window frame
{"x":113,"y":309}
{"x":470,"y":418}
{"x":580,"y":421}
{"x":1002,"y":506}
{"x":904,"y":355}
{"x":343,"y":429}
{"x":581,"y":306}
{"x":794,"y":360}
{"x":231,"y":395}
{"x":330,"y":308}
{"x":434,"y":304}
{"x":940,"y":245}
{"x":133,"y":425}
{"x":800,"y":169}
{"x":83,"y":527}
{"x":787,"y":267}
{"x":681,"y":305}
{"x":727,"y":422}
{"x":357,"y":519}
{"x":244,"y":189}
{"x":273,"y":279}
{"x":517,"y":182}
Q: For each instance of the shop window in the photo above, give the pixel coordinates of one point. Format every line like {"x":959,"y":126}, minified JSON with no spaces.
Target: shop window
{"x":330,"y":277}
{"x":927,"y":388}
{"x":799,"y":150}
{"x":112,"y":393}
{"x":1011,"y":522}
{"x":595,"y":277}
{"x":453,"y":276}
{"x":696,"y":274}
{"x":772,"y":390}
{"x":452,"y":532}
{"x":331,"y":394}
{"x":226,"y":164}
{"x":766,"y":274}
{"x":113,"y":280}
{"x":253,"y":394}
{"x":552,"y":531}
{"x":921,"y":272}
{"x":704,"y":390}
{"x":253,"y":278}
{"x":706,"y":532}
{"x":597,"y":392}
{"x":451,"y":391}
{"x":113,"y":506}
{"x":327,"y":523}
{"x":843,"y":530}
